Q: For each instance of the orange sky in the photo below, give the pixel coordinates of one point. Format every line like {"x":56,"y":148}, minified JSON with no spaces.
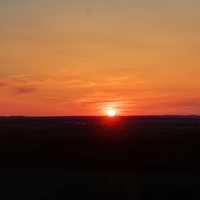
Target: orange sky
{"x":79,"y":57}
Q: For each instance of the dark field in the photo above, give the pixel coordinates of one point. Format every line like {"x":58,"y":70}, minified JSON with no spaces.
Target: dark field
{"x":100,"y":158}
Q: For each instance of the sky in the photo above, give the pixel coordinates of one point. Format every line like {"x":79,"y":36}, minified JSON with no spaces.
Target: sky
{"x":80,"y":57}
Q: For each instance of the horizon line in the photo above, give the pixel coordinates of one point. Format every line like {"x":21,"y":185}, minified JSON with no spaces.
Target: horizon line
{"x":153,"y":115}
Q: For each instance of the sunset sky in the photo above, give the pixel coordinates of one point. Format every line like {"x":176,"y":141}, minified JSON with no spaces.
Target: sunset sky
{"x":78,"y":57}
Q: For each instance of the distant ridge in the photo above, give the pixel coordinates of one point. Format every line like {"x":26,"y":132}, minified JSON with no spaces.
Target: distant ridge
{"x":85,"y":116}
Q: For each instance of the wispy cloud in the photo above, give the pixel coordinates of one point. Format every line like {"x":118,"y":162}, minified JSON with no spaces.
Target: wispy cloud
{"x":93,"y":93}
{"x":24,"y":90}
{"x":19,"y":84}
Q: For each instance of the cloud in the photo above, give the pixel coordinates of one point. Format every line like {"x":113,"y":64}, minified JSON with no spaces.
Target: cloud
{"x":24,"y":90}
{"x":20,"y":84}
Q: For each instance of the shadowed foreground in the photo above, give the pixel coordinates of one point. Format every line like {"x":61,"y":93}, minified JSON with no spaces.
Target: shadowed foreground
{"x":129,"y":158}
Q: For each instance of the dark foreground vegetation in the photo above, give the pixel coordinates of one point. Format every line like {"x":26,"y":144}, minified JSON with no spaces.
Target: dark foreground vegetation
{"x":100,"y":158}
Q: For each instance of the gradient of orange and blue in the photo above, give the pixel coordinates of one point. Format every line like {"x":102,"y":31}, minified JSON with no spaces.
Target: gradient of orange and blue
{"x":78,"y":57}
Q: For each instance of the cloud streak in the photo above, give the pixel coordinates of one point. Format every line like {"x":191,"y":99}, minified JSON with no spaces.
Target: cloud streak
{"x":129,"y":94}
{"x":24,"y":90}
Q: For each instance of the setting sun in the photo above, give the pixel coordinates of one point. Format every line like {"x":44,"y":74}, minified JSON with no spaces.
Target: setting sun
{"x":111,"y":112}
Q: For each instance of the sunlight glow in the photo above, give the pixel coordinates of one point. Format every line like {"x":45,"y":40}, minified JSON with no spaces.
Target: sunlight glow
{"x":111,"y":112}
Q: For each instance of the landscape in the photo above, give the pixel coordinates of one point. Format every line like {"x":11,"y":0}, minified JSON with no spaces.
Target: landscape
{"x":99,"y":99}
{"x":141,"y":157}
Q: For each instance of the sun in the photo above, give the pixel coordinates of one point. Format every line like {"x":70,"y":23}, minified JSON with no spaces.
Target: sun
{"x":111,"y":112}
